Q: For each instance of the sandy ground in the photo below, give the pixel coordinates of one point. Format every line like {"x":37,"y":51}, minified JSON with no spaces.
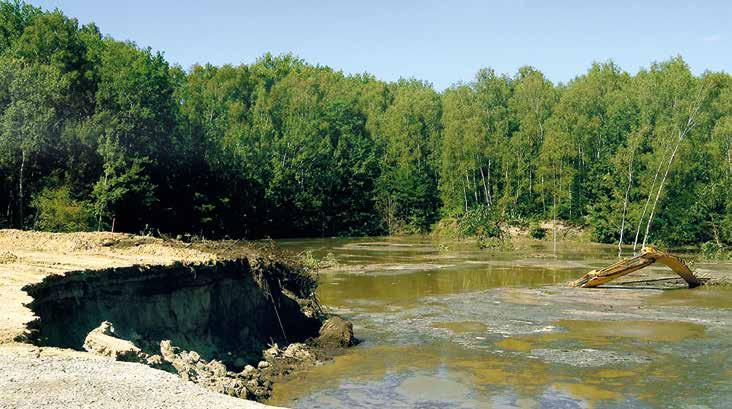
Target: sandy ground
{"x":51,"y":378}
{"x":28,"y":257}
{"x":32,"y":377}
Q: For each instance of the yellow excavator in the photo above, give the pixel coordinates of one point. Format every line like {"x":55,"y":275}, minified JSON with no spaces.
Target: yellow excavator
{"x":648,"y":256}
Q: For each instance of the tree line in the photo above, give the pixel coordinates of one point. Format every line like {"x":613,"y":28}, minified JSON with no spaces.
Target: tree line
{"x":96,"y":132}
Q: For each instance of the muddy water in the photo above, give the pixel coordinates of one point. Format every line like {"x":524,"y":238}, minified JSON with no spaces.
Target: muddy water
{"x":450,"y":326}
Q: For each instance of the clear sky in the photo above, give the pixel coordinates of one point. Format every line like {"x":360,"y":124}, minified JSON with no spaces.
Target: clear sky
{"x":442,"y":42}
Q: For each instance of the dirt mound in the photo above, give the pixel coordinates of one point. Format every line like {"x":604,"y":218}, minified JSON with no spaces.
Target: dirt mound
{"x":150,"y":249}
{"x":336,"y":332}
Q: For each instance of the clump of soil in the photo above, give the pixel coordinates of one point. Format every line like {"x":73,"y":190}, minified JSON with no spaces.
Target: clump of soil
{"x":336,"y":333}
{"x":254,"y":383}
{"x":7,"y":257}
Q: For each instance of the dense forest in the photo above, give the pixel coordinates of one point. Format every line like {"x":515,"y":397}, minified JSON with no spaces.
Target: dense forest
{"x":95,"y":131}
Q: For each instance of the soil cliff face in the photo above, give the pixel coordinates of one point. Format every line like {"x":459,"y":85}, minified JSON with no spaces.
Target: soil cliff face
{"x":214,"y":313}
{"x":225,"y":310}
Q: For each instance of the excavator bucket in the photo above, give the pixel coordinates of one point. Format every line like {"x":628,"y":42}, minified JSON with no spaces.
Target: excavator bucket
{"x":648,"y":256}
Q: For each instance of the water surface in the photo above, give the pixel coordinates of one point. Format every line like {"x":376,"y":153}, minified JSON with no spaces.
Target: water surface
{"x":452,"y":326}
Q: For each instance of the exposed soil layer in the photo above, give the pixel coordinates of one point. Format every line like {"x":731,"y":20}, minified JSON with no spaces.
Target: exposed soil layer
{"x":210,"y":308}
{"x":220,"y":310}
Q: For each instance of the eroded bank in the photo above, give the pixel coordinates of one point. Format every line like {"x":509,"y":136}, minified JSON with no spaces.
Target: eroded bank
{"x":226,"y":318}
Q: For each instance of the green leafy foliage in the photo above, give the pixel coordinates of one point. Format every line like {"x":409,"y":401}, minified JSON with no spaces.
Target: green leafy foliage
{"x":280,"y":147}
{"x":536,"y":231}
{"x":712,"y":249}
{"x":57,"y":211}
{"x":479,"y":221}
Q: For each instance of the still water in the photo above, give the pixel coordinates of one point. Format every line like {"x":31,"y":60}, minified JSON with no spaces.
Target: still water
{"x":452,"y":326}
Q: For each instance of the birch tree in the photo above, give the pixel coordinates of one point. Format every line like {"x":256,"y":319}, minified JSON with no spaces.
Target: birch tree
{"x":28,"y":124}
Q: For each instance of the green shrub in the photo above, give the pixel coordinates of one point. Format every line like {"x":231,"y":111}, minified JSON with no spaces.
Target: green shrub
{"x":536,"y":231}
{"x":446,"y":228}
{"x":57,"y":211}
{"x":604,"y":229}
{"x":482,"y":224}
{"x":479,"y":221}
{"x":308,"y":260}
{"x":712,"y":249}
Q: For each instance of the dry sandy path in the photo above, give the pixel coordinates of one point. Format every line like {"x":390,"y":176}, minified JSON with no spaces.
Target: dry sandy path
{"x":60,"y":379}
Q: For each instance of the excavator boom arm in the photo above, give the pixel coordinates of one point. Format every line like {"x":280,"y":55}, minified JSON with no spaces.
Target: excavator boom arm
{"x":648,"y":256}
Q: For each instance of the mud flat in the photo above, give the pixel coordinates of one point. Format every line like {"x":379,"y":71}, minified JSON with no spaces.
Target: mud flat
{"x":502,"y":328}
{"x":220,"y":314}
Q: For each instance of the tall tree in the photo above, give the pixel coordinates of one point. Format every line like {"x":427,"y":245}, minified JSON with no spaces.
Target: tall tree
{"x":28,"y":124}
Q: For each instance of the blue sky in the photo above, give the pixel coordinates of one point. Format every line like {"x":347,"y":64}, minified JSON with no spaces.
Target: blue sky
{"x":442,"y":42}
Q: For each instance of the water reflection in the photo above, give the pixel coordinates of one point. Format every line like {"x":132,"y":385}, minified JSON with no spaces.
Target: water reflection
{"x":345,"y":290}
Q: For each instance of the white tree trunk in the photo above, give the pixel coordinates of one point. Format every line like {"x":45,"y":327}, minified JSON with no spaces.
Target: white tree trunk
{"x":645,"y":207}
{"x":475,"y":188}
{"x":658,"y":195}
{"x":554,"y":222}
{"x":20,"y":186}
{"x":485,"y":186}
{"x":490,"y":195}
{"x":689,"y":125}
{"x":625,"y":201}
{"x":625,"y":209}
{"x":102,"y":205}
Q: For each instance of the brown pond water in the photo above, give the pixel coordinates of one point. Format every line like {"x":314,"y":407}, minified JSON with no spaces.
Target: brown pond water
{"x":451,"y":326}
